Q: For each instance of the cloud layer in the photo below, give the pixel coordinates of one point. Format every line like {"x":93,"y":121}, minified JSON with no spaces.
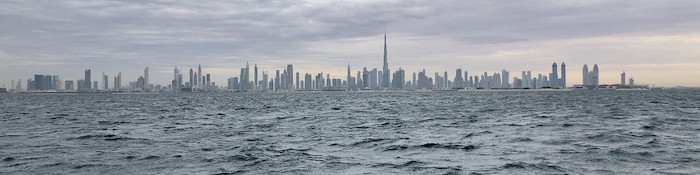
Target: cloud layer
{"x":651,"y":40}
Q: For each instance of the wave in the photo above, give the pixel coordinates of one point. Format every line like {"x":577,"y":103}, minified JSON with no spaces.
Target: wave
{"x":453,"y":146}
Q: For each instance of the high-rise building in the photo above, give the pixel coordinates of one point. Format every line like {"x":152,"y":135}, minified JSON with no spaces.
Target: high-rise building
{"x":298,"y":83}
{"x":385,"y":70}
{"x":415,"y":84}
{"x":278,"y":83}
{"x":594,"y":76}
{"x":265,"y":80}
{"x":446,"y":81}
{"x":255,"y":75}
{"x":308,"y":82}
{"x":398,"y":79}
{"x":118,"y":82}
{"x":87,"y":80}
{"x":622,"y":78}
{"x":459,"y":81}
{"x":105,"y":80}
{"x":350,"y":83}
{"x":290,"y":77}
{"x":467,"y":83}
{"x":177,"y":80}
{"x":191,"y":78}
{"x":146,"y":79}
{"x":505,"y":77}
{"x":562,"y":82}
{"x":554,"y":76}
{"x":69,"y":85}
{"x":55,"y":83}
{"x":586,"y":79}
{"x":40,"y":82}
{"x":245,"y":78}
{"x":200,"y":81}
{"x":208,"y":84}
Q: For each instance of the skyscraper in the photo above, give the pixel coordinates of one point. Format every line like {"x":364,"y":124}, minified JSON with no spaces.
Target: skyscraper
{"x":264,"y":80}
{"x":118,"y":82}
{"x":297,"y":85}
{"x":87,"y":81}
{"x":458,"y":82}
{"x":414,"y":83}
{"x":554,"y":77}
{"x":146,"y":82}
{"x":200,"y":81}
{"x":586,"y":79}
{"x":255,"y":75}
{"x":191,"y":78}
{"x":278,"y":83}
{"x":247,"y":76}
{"x":594,"y":76}
{"x":290,"y":77}
{"x":446,"y":81}
{"x":350,"y":84}
{"x":562,"y":82}
{"x":176,"y":79}
{"x":208,"y":84}
{"x":105,"y":80}
{"x":622,"y":78}
{"x":505,"y":78}
{"x":385,"y":71}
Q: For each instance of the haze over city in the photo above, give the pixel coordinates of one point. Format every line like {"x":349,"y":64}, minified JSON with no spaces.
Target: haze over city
{"x":653,"y":41}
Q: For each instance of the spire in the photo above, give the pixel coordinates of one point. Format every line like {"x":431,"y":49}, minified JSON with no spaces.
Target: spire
{"x":385,"y":71}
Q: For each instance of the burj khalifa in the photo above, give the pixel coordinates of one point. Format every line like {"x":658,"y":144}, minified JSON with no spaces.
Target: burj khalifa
{"x":385,"y":72}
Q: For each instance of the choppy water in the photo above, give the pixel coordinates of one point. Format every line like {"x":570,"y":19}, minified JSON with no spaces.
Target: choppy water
{"x":578,"y":132}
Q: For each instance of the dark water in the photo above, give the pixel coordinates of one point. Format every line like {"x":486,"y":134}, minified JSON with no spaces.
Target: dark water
{"x":577,"y":132}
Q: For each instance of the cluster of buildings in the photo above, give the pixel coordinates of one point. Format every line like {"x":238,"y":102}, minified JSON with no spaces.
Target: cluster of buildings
{"x":198,"y":81}
{"x":288,"y":80}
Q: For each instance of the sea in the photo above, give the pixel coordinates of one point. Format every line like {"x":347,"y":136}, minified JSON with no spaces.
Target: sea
{"x":476,"y":132}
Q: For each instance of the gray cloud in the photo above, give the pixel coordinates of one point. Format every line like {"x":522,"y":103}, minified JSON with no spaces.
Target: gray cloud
{"x":114,"y":36}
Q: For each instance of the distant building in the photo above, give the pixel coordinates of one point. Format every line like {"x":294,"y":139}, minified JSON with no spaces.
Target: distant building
{"x":69,"y":85}
{"x":87,"y":81}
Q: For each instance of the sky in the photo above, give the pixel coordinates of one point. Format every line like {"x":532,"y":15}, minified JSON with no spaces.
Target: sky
{"x":655,"y":42}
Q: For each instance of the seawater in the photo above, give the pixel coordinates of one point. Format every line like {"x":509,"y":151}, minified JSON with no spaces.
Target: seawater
{"x":574,"y":132}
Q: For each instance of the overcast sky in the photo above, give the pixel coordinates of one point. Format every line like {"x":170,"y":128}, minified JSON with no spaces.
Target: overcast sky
{"x":656,"y":42}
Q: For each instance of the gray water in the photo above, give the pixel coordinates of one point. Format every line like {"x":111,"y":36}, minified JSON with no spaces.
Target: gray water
{"x":577,"y":132}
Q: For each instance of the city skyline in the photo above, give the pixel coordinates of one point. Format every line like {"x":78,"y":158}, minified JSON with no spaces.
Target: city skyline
{"x":365,"y":79}
{"x":378,"y":80}
{"x":326,"y":37}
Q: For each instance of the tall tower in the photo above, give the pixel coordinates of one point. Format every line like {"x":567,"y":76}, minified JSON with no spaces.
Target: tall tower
{"x":118,"y":82}
{"x":246,"y":77}
{"x":622,"y":78}
{"x":585,"y":75}
{"x":595,"y":76}
{"x":505,"y":76}
{"x":200,"y":81}
{"x":175,"y":72}
{"x":87,"y":84}
{"x":385,"y":71}
{"x":255,"y":75}
{"x":348,"y":78}
{"x":555,"y":76}
{"x":563,"y":75}
{"x":191,"y":78}
{"x":290,"y":76}
{"x":105,"y":81}
{"x":146,"y":83}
